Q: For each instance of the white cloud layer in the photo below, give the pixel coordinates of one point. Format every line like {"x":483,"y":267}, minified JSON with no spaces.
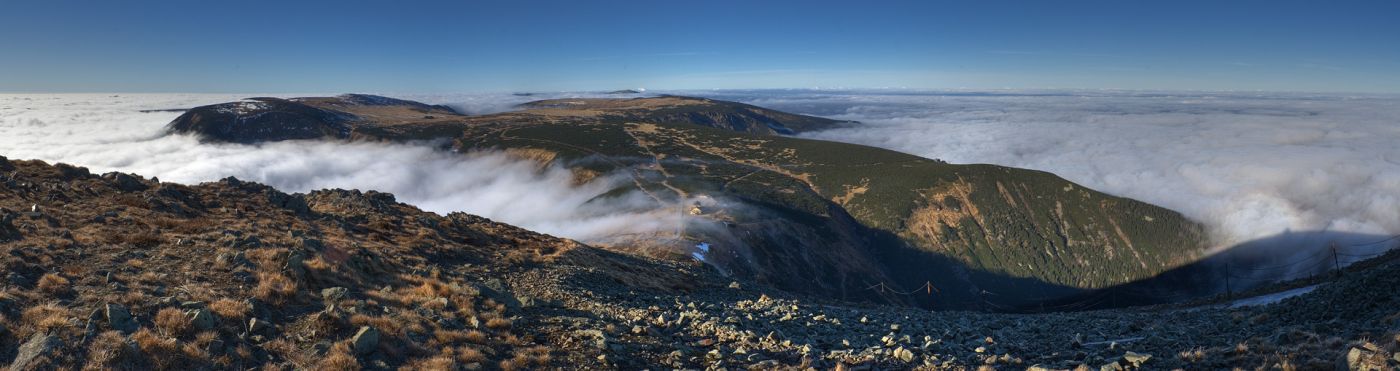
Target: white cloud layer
{"x":1247,"y":165}
{"x":109,"y":133}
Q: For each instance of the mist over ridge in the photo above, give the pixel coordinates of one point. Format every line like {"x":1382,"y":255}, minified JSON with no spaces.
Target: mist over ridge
{"x":111,"y":133}
{"x":1249,"y":165}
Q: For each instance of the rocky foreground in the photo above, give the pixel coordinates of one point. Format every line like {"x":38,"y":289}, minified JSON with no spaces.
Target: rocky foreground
{"x":117,"y":271}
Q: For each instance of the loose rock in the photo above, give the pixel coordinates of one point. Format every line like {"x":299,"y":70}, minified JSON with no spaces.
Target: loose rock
{"x":119,"y":318}
{"x":365,"y":340}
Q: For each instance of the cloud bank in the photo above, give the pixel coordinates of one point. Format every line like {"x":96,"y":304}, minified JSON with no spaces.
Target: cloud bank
{"x":1248,"y":165}
{"x":110,"y":133}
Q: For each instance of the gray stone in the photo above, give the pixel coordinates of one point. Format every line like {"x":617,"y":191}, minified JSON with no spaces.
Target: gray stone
{"x":365,"y":340}
{"x":595,"y":338}
{"x":94,"y":318}
{"x":41,"y":345}
{"x":17,"y":279}
{"x":119,"y":318}
{"x":321,"y":347}
{"x":256,"y":325}
{"x":125,"y":183}
{"x":496,"y":289}
{"x":334,"y":294}
{"x":904,"y":355}
{"x":296,"y":262}
{"x":310,"y":244}
{"x":1136,"y":359}
{"x":202,"y":319}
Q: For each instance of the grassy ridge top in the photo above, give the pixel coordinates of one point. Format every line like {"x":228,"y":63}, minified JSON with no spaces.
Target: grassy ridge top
{"x":997,"y":220}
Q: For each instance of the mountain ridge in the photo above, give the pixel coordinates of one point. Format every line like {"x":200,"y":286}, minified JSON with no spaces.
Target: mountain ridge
{"x":892,"y":214}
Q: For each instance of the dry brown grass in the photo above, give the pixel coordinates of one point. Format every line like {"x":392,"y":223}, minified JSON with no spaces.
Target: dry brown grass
{"x":1193,"y":355}
{"x":230,"y":309}
{"x":467,"y":355}
{"x":429,"y":290}
{"x":54,"y":284}
{"x":318,"y":264}
{"x":172,"y":322}
{"x":131,"y":201}
{"x":274,"y":288}
{"x":538,"y":356}
{"x":446,"y":337}
{"x":267,"y":259}
{"x":476,"y":337}
{"x":109,"y":350}
{"x":47,"y":318}
{"x":162,"y":352}
{"x":524,"y":358}
{"x":183,"y":226}
{"x":438,"y":363}
{"x":141,"y":239}
{"x":339,"y":358}
{"x":498,"y":323}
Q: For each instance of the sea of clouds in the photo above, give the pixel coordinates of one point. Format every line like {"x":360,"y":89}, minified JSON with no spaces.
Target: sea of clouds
{"x":107,"y":132}
{"x":1248,"y":165}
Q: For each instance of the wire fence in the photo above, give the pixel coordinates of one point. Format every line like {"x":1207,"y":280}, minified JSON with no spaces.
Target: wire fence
{"x":1321,"y":260}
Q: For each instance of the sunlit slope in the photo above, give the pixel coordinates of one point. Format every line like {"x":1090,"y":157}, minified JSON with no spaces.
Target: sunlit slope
{"x":810,"y":215}
{"x":1023,"y":223}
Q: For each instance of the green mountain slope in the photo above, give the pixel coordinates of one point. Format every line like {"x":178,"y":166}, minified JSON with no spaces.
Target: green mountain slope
{"x":807,"y":215}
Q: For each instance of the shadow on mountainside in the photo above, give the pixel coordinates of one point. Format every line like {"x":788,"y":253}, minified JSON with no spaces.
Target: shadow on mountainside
{"x":1304,"y":258}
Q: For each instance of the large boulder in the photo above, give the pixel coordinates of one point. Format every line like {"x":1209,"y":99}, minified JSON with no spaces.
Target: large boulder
{"x":31,"y":355}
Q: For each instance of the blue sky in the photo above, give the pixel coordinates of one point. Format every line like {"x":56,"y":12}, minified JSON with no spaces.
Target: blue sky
{"x":462,"y":46}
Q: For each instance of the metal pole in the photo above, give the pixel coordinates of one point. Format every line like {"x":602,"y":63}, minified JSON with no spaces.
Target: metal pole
{"x":1336,"y":263}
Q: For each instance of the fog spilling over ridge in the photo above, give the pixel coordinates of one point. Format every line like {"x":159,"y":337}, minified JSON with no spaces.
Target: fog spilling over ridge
{"x":110,"y":133}
{"x":1249,"y":165}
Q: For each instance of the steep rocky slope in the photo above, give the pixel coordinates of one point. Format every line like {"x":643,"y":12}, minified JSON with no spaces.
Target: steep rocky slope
{"x":118,"y":271}
{"x":819,"y":217}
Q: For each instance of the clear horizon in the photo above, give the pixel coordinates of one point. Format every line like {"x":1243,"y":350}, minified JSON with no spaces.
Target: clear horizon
{"x":168,"y":46}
